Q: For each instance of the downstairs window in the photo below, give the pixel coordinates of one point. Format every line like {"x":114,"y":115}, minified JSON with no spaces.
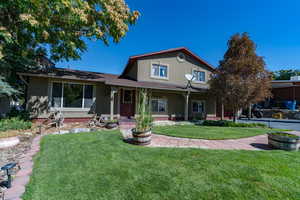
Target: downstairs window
{"x":159,"y":105}
{"x":72,"y":95}
{"x":198,"y":106}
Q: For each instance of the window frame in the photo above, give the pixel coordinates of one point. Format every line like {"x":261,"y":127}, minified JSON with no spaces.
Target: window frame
{"x":157,"y":111}
{"x":159,"y":77}
{"x":198,"y":101}
{"x":198,"y":81}
{"x":62,"y":108}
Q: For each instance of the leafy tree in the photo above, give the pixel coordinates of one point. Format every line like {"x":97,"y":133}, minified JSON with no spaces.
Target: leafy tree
{"x":285,"y":74}
{"x":56,"y":28}
{"x":241,"y":78}
{"x":6,"y":89}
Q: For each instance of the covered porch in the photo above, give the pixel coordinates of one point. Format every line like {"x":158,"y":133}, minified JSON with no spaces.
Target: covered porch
{"x":165,"y":104}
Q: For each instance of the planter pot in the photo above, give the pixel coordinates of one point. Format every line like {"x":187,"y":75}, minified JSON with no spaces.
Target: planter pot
{"x":141,"y":138}
{"x":284,"y":142}
{"x":111,"y":125}
{"x":9,"y":142}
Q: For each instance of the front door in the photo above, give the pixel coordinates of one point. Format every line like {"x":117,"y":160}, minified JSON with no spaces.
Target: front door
{"x":127,"y":104}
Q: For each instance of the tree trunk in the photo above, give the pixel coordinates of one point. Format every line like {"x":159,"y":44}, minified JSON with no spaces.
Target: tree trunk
{"x":235,"y":115}
{"x":249,"y":111}
{"x":222,"y":111}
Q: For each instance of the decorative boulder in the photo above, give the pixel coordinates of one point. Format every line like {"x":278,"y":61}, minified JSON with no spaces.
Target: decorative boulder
{"x":111,"y":125}
{"x":80,"y":130}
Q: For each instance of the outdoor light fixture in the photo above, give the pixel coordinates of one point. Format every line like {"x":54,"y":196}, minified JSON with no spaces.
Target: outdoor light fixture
{"x":8,"y":168}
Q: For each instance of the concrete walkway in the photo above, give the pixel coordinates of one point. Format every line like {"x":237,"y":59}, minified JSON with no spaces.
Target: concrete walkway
{"x":23,"y":175}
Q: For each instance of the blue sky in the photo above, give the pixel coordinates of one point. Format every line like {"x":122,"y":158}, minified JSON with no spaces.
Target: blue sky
{"x":203,"y":26}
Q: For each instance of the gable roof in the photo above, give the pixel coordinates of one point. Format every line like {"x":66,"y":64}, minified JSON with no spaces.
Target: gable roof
{"x":133,"y":59}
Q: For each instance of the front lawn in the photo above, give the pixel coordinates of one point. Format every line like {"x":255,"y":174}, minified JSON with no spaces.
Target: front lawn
{"x":100,"y":166}
{"x":209,"y":132}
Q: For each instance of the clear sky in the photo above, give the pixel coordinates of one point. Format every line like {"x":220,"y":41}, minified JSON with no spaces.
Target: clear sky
{"x":203,"y":26}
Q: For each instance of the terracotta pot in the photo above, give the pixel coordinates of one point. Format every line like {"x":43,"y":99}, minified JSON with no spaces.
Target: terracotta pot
{"x":141,"y":138}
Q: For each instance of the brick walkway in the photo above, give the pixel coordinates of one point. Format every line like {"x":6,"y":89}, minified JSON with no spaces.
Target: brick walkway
{"x":22,"y":176}
{"x":252,"y":143}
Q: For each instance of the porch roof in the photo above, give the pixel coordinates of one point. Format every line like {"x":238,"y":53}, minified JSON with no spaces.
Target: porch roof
{"x":108,"y":79}
{"x":151,"y":85}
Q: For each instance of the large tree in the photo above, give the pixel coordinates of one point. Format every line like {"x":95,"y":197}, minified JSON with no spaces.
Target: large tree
{"x":30,"y":29}
{"x":241,"y":78}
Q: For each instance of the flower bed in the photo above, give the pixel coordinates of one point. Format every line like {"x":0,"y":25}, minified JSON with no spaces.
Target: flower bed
{"x":225,"y":123}
{"x":13,"y":124}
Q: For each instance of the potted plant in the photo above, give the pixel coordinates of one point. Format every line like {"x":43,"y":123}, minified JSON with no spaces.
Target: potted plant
{"x":284,"y":141}
{"x":142,"y":131}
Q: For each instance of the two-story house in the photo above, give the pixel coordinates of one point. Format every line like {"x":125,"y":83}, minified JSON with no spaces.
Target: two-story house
{"x":79,"y":94}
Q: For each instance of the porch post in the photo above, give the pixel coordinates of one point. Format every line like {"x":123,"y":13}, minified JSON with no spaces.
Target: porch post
{"x":112,"y":102}
{"x":186,"y":110}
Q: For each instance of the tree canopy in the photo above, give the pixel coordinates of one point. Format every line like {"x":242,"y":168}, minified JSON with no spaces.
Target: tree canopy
{"x":58,"y":29}
{"x":285,"y":74}
{"x":241,"y":78}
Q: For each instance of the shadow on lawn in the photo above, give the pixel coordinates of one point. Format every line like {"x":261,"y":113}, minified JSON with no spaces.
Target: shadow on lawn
{"x":261,"y":146}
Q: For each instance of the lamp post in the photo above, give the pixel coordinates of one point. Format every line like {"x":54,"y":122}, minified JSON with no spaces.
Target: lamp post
{"x":189,"y":78}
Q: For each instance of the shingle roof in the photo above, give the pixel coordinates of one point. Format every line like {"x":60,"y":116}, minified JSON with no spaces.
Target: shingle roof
{"x":108,"y":79}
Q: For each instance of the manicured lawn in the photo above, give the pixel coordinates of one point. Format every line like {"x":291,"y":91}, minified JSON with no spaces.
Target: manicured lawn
{"x":100,"y":166}
{"x":209,"y":132}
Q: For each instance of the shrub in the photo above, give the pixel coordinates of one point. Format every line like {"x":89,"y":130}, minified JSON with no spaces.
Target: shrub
{"x":21,"y":114}
{"x":285,"y":135}
{"x":14,"y":124}
{"x":225,"y":123}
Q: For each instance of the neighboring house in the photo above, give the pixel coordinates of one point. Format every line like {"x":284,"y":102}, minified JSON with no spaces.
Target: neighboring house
{"x":79,"y":94}
{"x":285,"y":90}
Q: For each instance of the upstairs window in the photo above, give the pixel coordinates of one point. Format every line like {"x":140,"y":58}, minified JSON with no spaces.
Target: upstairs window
{"x":199,"y":76}
{"x":72,"y":95}
{"x":159,"y":71}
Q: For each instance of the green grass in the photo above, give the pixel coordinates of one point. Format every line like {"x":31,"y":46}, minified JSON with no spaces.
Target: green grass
{"x":210,"y":132}
{"x":100,"y":166}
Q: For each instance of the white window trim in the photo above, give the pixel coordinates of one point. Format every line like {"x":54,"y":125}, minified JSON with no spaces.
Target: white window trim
{"x":61,"y":108}
{"x":159,"y":77}
{"x":197,"y":81}
{"x":164,"y":99}
{"x":199,"y":101}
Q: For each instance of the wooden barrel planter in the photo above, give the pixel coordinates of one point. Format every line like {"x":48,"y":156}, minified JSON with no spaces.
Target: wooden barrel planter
{"x":141,"y":138}
{"x":284,"y":141}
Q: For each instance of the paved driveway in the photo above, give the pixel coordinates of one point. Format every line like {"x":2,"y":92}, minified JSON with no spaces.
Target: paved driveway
{"x":275,"y":124}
